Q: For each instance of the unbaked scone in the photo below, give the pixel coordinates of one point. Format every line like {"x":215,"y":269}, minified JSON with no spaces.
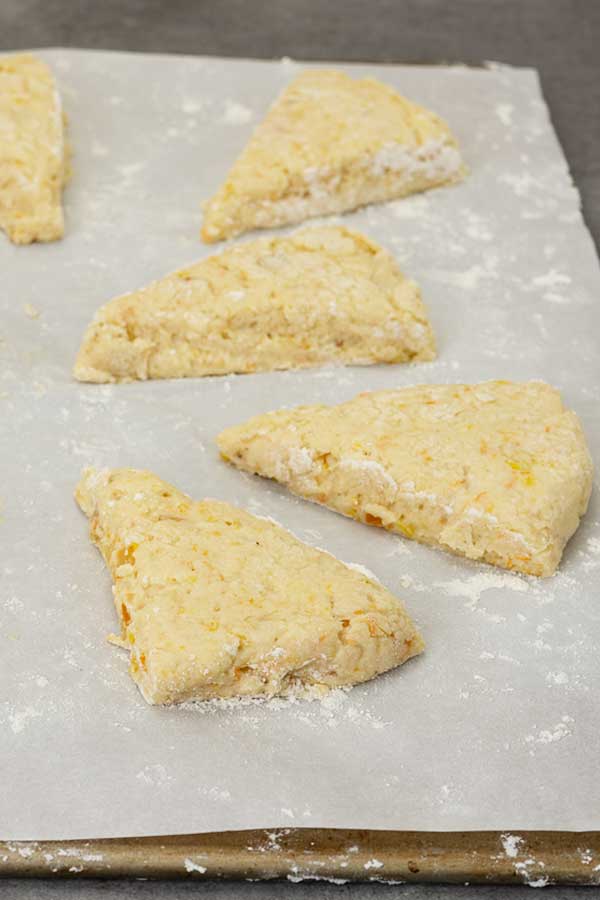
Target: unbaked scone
{"x":215,"y":602}
{"x":33,"y":158}
{"x":321,"y":295}
{"x":498,"y":471}
{"x":329,"y":144}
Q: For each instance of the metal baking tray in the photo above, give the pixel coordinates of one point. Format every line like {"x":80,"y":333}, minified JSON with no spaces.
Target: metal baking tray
{"x":537,"y":858}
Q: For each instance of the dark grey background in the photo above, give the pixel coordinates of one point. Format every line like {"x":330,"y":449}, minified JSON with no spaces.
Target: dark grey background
{"x":561,"y":38}
{"x":190,"y":890}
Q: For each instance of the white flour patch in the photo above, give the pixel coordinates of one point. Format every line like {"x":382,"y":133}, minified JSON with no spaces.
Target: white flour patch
{"x":300,"y":460}
{"x":410,"y":583}
{"x":592,"y":555}
{"x":511,"y":844}
{"x":522,"y":184}
{"x":78,"y":853}
{"x":19,"y":718}
{"x":273,"y":839}
{"x":130,"y":169}
{"x":505,"y":111}
{"x":192,"y":106}
{"x":215,"y":793}
{"x":13,"y":604}
{"x":297,"y":878}
{"x":236,"y":114}
{"x":553,"y":297}
{"x":373,"y":864}
{"x":553,"y":278}
{"x":472,"y":588}
{"x":477,"y":228}
{"x":540,"y":882}
{"x":191,"y":866}
{"x":552,"y":735}
{"x":25,"y":851}
{"x":154,"y":774}
{"x":99,"y":150}
{"x":401,"y":549}
{"x":370,"y":467}
{"x":469,"y":279}
{"x":324,"y":707}
{"x":410,"y":208}
{"x":502,"y":657}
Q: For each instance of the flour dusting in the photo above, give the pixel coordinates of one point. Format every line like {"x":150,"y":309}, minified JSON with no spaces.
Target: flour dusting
{"x":511,"y":844}
{"x":474,"y":586}
{"x":552,"y":735}
{"x":191,"y":866}
{"x":236,"y":113}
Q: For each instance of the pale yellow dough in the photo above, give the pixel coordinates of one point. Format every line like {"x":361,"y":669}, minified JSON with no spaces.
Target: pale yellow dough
{"x":329,"y":144}
{"x":33,"y":159}
{"x":322,"y":295}
{"x":215,"y":602}
{"x":497,"y":471}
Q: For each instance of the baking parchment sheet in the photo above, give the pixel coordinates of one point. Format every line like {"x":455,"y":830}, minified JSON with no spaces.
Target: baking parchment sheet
{"x":497,"y":725}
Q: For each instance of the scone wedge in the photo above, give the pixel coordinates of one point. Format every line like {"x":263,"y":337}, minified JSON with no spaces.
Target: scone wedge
{"x":33,"y":156}
{"x":214,"y":602}
{"x":329,"y":144}
{"x":322,"y":295}
{"x":498,"y":471}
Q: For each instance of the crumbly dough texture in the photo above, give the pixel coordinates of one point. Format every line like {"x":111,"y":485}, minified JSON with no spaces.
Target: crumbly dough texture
{"x":498,"y":471}
{"x":329,"y":144}
{"x":321,"y":295}
{"x":215,"y":602}
{"x":33,"y":157}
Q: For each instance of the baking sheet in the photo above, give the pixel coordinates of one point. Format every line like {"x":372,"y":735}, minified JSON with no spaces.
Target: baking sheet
{"x":496,"y":725}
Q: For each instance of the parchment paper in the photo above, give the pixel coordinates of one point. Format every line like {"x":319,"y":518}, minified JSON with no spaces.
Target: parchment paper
{"x":497,"y":725}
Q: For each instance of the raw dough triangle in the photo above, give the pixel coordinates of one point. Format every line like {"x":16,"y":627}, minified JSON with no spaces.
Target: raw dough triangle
{"x":215,"y":602}
{"x":322,"y":295}
{"x":497,"y":471}
{"x":33,"y":157}
{"x":329,"y":144}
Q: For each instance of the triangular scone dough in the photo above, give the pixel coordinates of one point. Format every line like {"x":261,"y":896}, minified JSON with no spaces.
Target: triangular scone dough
{"x":215,"y":602}
{"x":498,"y":471}
{"x":33,"y":159}
{"x":321,"y":295}
{"x":330,"y":144}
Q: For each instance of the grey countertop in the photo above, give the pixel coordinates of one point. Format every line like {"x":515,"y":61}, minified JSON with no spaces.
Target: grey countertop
{"x":178,"y":890}
{"x":558,"y":37}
